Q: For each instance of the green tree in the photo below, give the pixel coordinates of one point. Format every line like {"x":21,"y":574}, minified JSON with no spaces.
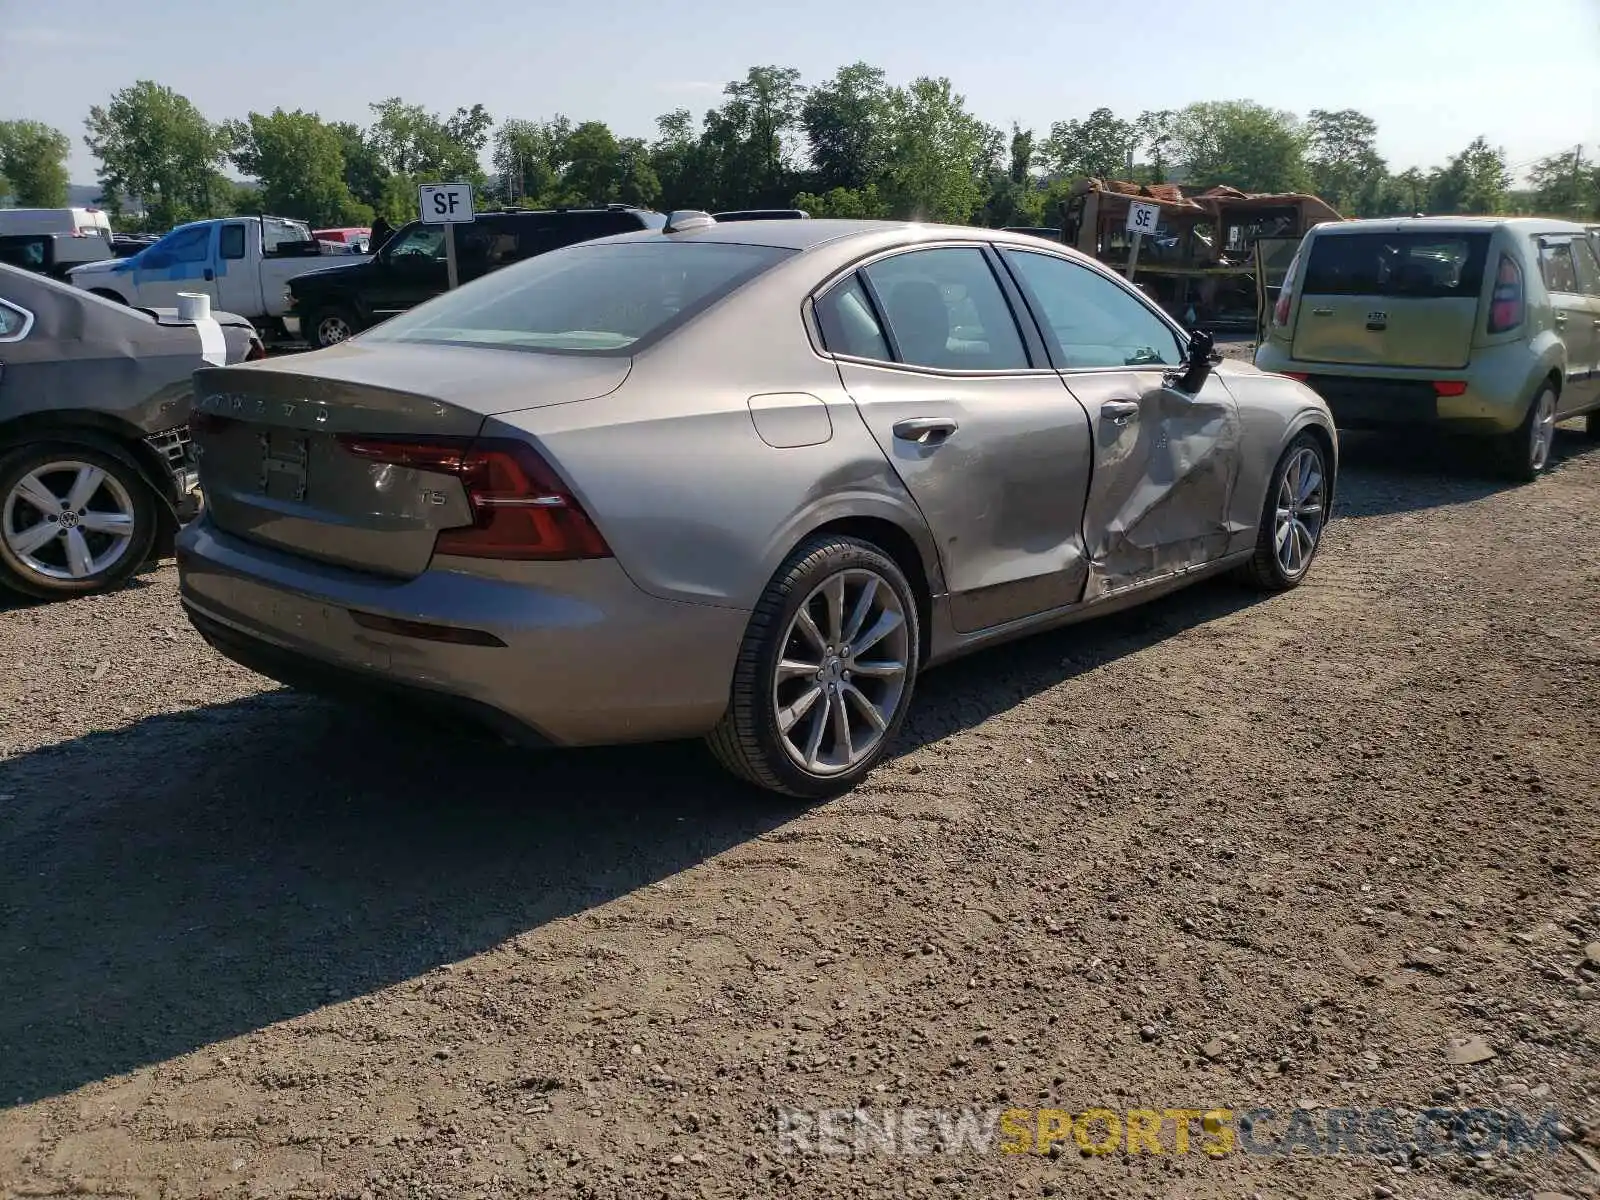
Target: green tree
{"x":935,"y":163}
{"x":845,"y":204}
{"x":1564,"y":186}
{"x":364,"y":172}
{"x":1153,"y":133}
{"x":1241,"y":144}
{"x":298,"y":162}
{"x":593,"y":171}
{"x":844,"y":122}
{"x":1475,"y":181}
{"x":1099,"y":146}
{"x":411,"y":141}
{"x":155,"y":145}
{"x":33,"y":163}
{"x":529,"y":157}
{"x":1014,"y":195}
{"x":1342,"y":156}
{"x":637,"y":182}
{"x":681,"y":161}
{"x":751,"y":138}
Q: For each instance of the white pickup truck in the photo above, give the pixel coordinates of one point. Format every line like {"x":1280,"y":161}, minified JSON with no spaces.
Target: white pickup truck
{"x":243,"y":263}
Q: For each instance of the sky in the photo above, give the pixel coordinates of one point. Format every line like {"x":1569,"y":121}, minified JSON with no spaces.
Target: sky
{"x":1434,"y":74}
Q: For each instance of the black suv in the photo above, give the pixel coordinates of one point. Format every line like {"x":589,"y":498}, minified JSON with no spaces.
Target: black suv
{"x":333,"y":304}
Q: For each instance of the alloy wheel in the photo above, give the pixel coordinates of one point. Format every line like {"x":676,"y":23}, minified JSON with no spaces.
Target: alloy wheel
{"x":841,"y":675}
{"x":67,"y":520}
{"x":1301,"y":511}
{"x":332,"y":330}
{"x":1542,"y":432}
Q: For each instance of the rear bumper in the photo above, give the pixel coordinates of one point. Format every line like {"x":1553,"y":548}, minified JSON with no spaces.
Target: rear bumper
{"x":588,"y":659}
{"x":1498,"y":387}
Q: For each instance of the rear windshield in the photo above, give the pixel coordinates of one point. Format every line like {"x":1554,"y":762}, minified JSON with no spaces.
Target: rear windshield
{"x":585,"y":299}
{"x":1419,"y":265}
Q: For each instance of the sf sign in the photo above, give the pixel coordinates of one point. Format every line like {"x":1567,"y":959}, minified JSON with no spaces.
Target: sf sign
{"x":445,"y":203}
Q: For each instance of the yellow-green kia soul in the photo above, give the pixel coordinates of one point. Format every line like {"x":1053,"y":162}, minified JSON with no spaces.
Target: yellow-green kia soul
{"x":1484,"y":326}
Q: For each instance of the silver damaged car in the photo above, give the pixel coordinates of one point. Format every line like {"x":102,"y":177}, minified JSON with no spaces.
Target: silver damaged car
{"x":740,"y":481}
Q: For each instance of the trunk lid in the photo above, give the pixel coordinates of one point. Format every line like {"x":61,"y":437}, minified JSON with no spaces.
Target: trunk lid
{"x":1402,"y":299}
{"x":273,"y":470}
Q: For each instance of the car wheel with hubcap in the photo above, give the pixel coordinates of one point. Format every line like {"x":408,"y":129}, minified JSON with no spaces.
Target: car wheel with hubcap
{"x":1525,"y":452}
{"x":1294,"y":517}
{"x":825,"y":673}
{"x":73,"y":520}
{"x":330,"y":326}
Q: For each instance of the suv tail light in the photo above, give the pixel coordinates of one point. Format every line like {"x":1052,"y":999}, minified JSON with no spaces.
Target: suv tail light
{"x":1280,"y":311}
{"x":1507,"y":304}
{"x":520,"y":507}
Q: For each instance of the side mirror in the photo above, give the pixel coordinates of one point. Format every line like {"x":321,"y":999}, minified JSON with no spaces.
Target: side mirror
{"x":1201,"y":357}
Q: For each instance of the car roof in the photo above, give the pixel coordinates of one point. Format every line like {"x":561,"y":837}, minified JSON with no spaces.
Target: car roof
{"x":1456,"y":224}
{"x":804,"y":235}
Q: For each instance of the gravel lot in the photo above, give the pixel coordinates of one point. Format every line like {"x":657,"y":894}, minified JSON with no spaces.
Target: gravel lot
{"x":1217,"y":852}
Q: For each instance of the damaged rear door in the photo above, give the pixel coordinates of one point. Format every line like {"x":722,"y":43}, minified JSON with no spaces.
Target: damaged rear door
{"x":1165,"y":460}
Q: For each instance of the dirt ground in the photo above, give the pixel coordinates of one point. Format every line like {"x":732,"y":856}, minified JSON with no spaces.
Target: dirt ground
{"x":1218,"y":852}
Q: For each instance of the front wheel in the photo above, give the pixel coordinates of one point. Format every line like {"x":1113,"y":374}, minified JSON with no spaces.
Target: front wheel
{"x":72,"y":520}
{"x":330,"y":326}
{"x":826,"y":671}
{"x":1293,"y":518}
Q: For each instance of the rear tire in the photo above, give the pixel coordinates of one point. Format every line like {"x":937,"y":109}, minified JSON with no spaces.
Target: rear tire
{"x":92,"y":543}
{"x":331,"y":325}
{"x":810,"y":713}
{"x":1591,"y":425}
{"x":1525,"y":452}
{"x":1293,"y":517}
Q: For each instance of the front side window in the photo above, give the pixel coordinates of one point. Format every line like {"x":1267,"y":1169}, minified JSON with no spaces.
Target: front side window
{"x":186,"y":245}
{"x":589,"y":299}
{"x":1091,"y":321}
{"x":946,"y":310}
{"x":14,"y":322}
{"x":421,"y":242}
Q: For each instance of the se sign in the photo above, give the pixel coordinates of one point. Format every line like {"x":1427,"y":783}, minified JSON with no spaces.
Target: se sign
{"x":445,"y":203}
{"x":1142,"y":218}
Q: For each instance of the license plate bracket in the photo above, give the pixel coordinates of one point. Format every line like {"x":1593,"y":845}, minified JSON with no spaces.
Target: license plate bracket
{"x":289,"y":461}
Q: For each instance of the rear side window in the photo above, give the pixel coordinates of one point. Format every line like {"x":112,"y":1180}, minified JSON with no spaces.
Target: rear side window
{"x":232,"y":243}
{"x":586,"y":299}
{"x":1419,"y":266}
{"x":849,"y":326}
{"x":14,"y":322}
{"x":25,"y":252}
{"x":1587,"y":266}
{"x":946,"y":310}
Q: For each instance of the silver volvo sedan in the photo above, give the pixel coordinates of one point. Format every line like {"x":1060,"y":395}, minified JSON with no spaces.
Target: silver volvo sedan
{"x":740,"y":481}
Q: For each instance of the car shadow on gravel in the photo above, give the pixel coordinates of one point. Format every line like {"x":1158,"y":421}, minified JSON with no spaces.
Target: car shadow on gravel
{"x":1383,"y":473}
{"x":202,"y":874}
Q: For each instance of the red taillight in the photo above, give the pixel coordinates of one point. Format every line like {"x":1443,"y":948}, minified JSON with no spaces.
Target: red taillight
{"x":256,"y":352}
{"x":520,"y":507}
{"x":1506,"y":303}
{"x":1300,"y":375}
{"x":1280,"y":311}
{"x":1450,"y":387}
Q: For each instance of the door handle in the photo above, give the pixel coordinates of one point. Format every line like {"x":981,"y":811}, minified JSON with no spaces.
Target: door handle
{"x":210,"y":274}
{"x":1561,"y":318}
{"x":1119,"y":412}
{"x":925,"y":431}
